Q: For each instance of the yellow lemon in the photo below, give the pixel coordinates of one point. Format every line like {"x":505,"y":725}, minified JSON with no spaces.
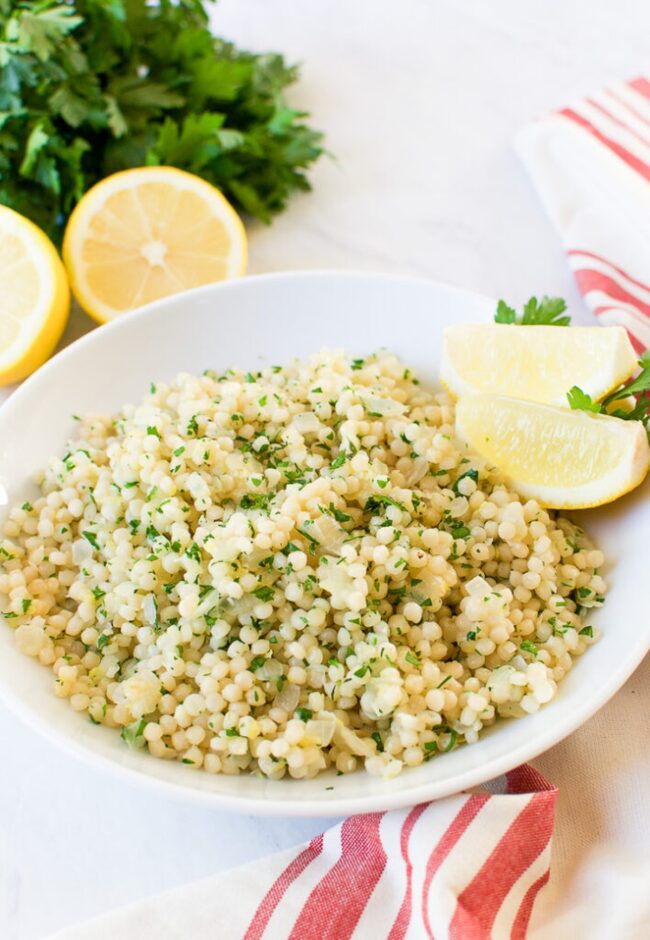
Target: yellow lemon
{"x":34,"y":299}
{"x":564,"y":459}
{"x":146,"y":233}
{"x":538,"y":363}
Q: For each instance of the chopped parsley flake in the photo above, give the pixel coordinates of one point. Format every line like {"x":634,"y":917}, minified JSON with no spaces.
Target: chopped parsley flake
{"x":469,"y":474}
{"x":92,"y":539}
{"x":453,"y":737}
{"x":133,"y":734}
{"x":264,"y":593}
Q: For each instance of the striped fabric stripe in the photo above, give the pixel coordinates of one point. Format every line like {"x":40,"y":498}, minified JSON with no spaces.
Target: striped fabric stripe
{"x":278,"y":889}
{"x":333,"y":908}
{"x":632,"y":111}
{"x":402,"y":921}
{"x":626,"y":155}
{"x":443,"y":871}
{"x":520,"y":923}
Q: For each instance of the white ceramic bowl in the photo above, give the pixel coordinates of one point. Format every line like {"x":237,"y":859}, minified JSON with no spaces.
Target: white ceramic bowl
{"x":268,"y":319}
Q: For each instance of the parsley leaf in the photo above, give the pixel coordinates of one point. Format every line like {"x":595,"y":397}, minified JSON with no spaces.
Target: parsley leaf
{"x":638,"y":389}
{"x":545,"y":312}
{"x":580,"y":401}
{"x":133,"y":734}
{"x":92,"y":538}
{"x":264,"y":593}
{"x":472,"y":474}
{"x":338,"y":514}
{"x":505,"y":314}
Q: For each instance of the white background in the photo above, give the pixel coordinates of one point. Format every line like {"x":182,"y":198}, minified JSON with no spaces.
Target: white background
{"x":420,"y":100}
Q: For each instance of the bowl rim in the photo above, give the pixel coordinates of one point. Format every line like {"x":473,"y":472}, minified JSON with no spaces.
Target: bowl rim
{"x":326,"y":805}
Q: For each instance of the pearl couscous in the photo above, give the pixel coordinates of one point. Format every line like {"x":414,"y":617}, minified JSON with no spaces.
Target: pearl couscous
{"x":291,"y":570}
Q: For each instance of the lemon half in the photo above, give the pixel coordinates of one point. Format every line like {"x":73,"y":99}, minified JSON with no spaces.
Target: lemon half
{"x":34,"y":300}
{"x":145,"y":233}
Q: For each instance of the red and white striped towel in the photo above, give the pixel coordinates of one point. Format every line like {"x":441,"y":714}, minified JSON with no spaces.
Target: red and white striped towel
{"x":464,"y":868}
{"x":591,"y":165}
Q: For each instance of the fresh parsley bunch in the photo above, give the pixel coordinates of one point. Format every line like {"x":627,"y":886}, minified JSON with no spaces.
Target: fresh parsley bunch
{"x":88,"y":87}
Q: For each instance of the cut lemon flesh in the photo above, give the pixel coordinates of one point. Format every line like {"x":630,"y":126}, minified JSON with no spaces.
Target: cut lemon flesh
{"x":34,"y":298}
{"x":146,"y":233}
{"x":538,"y":363}
{"x":564,"y":459}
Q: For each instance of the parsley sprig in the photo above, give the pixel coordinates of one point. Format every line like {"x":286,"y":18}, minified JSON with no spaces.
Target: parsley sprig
{"x":638,"y":389}
{"x":545,"y":312}
{"x":88,"y":87}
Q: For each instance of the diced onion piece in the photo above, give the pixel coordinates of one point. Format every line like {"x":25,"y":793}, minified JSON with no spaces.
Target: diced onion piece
{"x":306,"y":423}
{"x":345,"y":737}
{"x":150,"y":609}
{"x":81,"y":552}
{"x":320,"y":730}
{"x":419,"y":469}
{"x":384,"y":407}
{"x":288,"y":697}
{"x":270,"y":671}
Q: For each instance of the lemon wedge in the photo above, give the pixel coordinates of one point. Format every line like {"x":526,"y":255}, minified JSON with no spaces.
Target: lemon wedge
{"x":146,"y":233}
{"x":538,"y":363}
{"x":564,"y":459}
{"x":34,"y":298}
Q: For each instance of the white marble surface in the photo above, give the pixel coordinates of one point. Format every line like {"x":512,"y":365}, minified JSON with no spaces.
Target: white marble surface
{"x":420,"y":100}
